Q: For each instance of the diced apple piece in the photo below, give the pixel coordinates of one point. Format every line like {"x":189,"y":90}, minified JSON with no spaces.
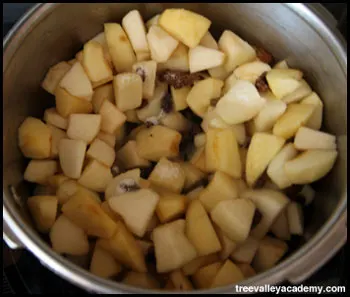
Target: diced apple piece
{"x":280,"y":227}
{"x":270,"y":251}
{"x":68,"y":238}
{"x":177,"y":61}
{"x":140,"y":280}
{"x":127,"y":91}
{"x":219,"y":72}
{"x":262,"y":149}
{"x":198,"y":99}
{"x":229,"y":82}
{"x":228,"y":274}
{"x":152,"y":21}
{"x":234,"y":217}
{"x":171,"y":206}
{"x":128,"y":156}
{"x":179,"y":97}
{"x":161,"y":44}
{"x":77,"y":83}
{"x":315,"y":121}
{"x":158,"y":142}
{"x":203,"y":58}
{"x":198,"y":159}
{"x":310,"y":166}
{"x":240,"y":133}
{"x":172,"y":248}
{"x":192,"y":175}
{"x":54,"y":76}
{"x":268,"y":115}
{"x":154,"y":107}
{"x":251,"y":71}
{"x":295,"y":116}
{"x":209,"y":41}
{"x":180,"y":281}
{"x":117,"y":185}
{"x":43,"y":210}
{"x":136,"y":208}
{"x":240,"y":104}
{"x":281,"y":65}
{"x":95,"y":64}
{"x":95,"y":176}
{"x":51,"y":117}
{"x":110,"y":139}
{"x":185,"y":25}
{"x":112,"y":117}
{"x":236,"y":49}
{"x":131,"y":116}
{"x":135,"y":29}
{"x":38,"y":171}
{"x":88,"y":215}
{"x":200,"y":140}
{"x":301,"y":92}
{"x":227,"y":245}
{"x":83,"y":126}
{"x":56,"y":136}
{"x":220,"y":188}
{"x":308,"y":139}
{"x":204,"y":277}
{"x":283,"y":82}
{"x":246,"y":251}
{"x":194,"y":194}
{"x":34,"y":139}
{"x":71,"y":154}
{"x":200,"y":230}
{"x":112,"y":214}
{"x":124,"y":248}
{"x":275,"y":170}
{"x":241,"y":185}
{"x":101,"y":39}
{"x":103,"y":264}
{"x":221,"y":152}
{"x":270,"y":204}
{"x":147,"y":71}
{"x":102,"y":152}
{"x":246,"y":269}
{"x":56,"y":180}
{"x":176,"y":121}
{"x":193,"y":266}
{"x":295,"y":218}
{"x":67,"y":104}
{"x":211,"y":119}
{"x":101,"y":94}
{"x":120,"y":49}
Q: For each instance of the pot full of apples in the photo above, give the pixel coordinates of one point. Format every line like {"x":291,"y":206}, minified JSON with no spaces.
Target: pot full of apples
{"x":181,"y":147}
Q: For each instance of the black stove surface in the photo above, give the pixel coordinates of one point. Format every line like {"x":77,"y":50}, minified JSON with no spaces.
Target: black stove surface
{"x":23,"y":273}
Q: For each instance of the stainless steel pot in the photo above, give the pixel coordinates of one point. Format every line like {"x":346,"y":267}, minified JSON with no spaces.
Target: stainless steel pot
{"x":305,"y":35}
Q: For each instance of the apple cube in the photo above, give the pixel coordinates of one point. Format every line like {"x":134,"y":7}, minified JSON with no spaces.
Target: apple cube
{"x":275,"y":170}
{"x":102,"y":152}
{"x":209,"y":41}
{"x":124,"y":248}
{"x":198,"y":99}
{"x":221,"y":187}
{"x":112,"y":117}
{"x":301,"y":92}
{"x":204,"y":276}
{"x":270,"y":251}
{"x":68,"y":238}
{"x":171,"y":206}
{"x":262,"y":149}
{"x":52,"y":117}
{"x":246,"y":269}
{"x":192,"y":175}
{"x":56,"y":136}
{"x":198,"y":159}
{"x":280,"y":228}
{"x":240,"y":104}
{"x":95,"y":64}
{"x":152,"y":21}
{"x":84,"y":127}
{"x":147,"y":71}
{"x":140,"y":280}
{"x":245,"y":252}
{"x":219,"y":72}
{"x":200,"y":140}
{"x":268,"y":115}
{"x":120,"y":49}
{"x":56,"y":180}
{"x":228,"y":274}
{"x":281,"y":65}
{"x":240,"y":133}
{"x":236,"y":49}
{"x":193,"y":266}
{"x":38,"y":171}
{"x":54,"y":76}
{"x":136,"y":208}
{"x":77,"y":83}
{"x":67,"y":104}
{"x":101,"y":94}
{"x":43,"y":210}
{"x":110,"y":139}
{"x":135,"y":29}
{"x":103,"y":264}
{"x":227,"y":245}
{"x":172,"y":248}
{"x":179,"y":97}
{"x":176,"y":121}
{"x":101,"y":39}
{"x":251,"y":71}
{"x":203,"y":58}
{"x":315,"y":121}
{"x":128,"y":157}
{"x":184,"y":25}
{"x":177,"y":61}
{"x":34,"y":139}
{"x":308,"y":139}
{"x":222,"y":153}
{"x":234,"y":217}
{"x":127,"y":91}
{"x":194,"y":194}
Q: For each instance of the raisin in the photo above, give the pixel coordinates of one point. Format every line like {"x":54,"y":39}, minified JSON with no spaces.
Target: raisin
{"x":178,"y":79}
{"x":167,"y":103}
{"x":129,"y":187}
{"x":141,"y":72}
{"x":261,"y":83}
{"x":213,"y":102}
{"x":264,"y":56}
{"x":257,"y":218}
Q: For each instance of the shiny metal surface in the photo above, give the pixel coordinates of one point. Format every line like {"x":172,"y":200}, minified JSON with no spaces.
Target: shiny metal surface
{"x":49,"y":33}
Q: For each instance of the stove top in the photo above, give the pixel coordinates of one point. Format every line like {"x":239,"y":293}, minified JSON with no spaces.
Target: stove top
{"x":23,"y":273}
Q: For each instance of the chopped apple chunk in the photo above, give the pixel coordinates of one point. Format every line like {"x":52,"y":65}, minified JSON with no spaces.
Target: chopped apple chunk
{"x":127,"y":91}
{"x":308,"y":139}
{"x":103,"y":264}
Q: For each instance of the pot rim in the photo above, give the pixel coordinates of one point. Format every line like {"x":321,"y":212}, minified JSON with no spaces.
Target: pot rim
{"x":83,"y":278}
